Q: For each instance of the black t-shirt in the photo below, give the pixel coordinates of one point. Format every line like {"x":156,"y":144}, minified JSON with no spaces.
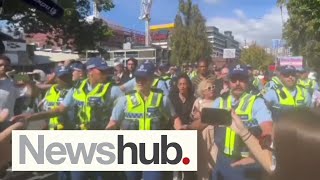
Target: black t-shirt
{"x":183,"y":110}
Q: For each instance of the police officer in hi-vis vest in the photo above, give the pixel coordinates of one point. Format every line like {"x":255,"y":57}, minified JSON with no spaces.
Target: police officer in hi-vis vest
{"x":92,"y":102}
{"x":288,"y":95}
{"x":54,"y":97}
{"x":234,"y":161}
{"x":304,"y":81}
{"x":274,"y":83}
{"x":144,"y":109}
{"x":163,"y":76}
{"x":157,"y":83}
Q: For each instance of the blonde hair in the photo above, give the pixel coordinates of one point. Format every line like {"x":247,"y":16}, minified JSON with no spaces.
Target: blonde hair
{"x":202,"y":85}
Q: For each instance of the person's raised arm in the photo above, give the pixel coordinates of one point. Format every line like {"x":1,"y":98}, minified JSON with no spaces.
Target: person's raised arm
{"x":263,"y":156}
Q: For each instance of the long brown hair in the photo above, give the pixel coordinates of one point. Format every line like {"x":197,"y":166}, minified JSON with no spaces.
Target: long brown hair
{"x":297,"y":145}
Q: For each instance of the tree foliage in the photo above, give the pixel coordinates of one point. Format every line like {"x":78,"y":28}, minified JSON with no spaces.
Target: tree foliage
{"x":189,"y":40}
{"x":257,"y":57}
{"x":70,"y":30}
{"x":302,"y":30}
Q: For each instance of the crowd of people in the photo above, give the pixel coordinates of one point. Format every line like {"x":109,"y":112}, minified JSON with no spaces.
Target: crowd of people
{"x":274,"y":117}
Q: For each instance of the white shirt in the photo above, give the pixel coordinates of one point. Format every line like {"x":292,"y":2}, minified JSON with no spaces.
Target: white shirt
{"x":8,"y":95}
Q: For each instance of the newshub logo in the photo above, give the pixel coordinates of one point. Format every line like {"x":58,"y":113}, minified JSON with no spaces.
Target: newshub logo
{"x":104,"y":151}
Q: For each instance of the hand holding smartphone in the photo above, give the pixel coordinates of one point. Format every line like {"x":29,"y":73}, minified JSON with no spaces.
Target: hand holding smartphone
{"x":215,"y":116}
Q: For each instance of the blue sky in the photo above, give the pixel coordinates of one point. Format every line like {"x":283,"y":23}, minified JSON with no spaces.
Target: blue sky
{"x":250,"y":20}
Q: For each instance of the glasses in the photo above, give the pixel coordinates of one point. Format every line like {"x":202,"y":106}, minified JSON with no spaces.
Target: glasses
{"x":238,"y":78}
{"x":210,"y":88}
{"x":286,"y":75}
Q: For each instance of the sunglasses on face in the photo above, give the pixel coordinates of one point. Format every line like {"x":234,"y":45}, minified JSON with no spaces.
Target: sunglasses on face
{"x":286,"y":75}
{"x":210,"y":88}
{"x":238,"y":78}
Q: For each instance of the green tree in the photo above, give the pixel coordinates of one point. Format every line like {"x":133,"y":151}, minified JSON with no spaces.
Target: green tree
{"x":189,"y":40}
{"x":69,"y":30}
{"x":302,"y":30}
{"x":257,"y":57}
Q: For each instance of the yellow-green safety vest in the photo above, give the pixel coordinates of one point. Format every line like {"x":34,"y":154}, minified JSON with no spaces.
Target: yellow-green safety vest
{"x":309,"y":84}
{"x":192,"y":74}
{"x":244,"y":111}
{"x":277,"y":81}
{"x":53,"y":99}
{"x":155,"y":82}
{"x":256,"y":82}
{"x":141,"y":115}
{"x":287,"y":100}
{"x":165,"y":78}
{"x":88,"y":103}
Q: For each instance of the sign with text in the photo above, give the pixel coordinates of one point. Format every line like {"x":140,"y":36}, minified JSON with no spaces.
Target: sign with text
{"x":104,"y":150}
{"x":296,"y":61}
{"x":229,"y":53}
{"x":47,"y":6}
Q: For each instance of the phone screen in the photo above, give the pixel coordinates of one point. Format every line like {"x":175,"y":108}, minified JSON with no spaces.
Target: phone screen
{"x":215,"y":116}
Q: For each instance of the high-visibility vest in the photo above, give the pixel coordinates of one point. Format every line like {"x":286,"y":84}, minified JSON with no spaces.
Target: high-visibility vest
{"x":166,"y":78}
{"x":287,"y":100}
{"x":141,"y":115}
{"x":53,"y":99}
{"x":244,"y":111}
{"x":277,"y":81}
{"x":155,"y":82}
{"x":277,"y":84}
{"x":92,"y":105}
{"x":192,"y":74}
{"x":308,"y":84}
{"x":256,"y":82}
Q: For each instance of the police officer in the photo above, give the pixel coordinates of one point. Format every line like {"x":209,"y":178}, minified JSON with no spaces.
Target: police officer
{"x":144,"y":109}
{"x":93,"y":103}
{"x":255,"y":83}
{"x":274,"y":83}
{"x":233,"y":159}
{"x":159,"y":84}
{"x":163,"y":76}
{"x":78,"y":73}
{"x":288,"y":95}
{"x":54,"y":97}
{"x":303,"y":81}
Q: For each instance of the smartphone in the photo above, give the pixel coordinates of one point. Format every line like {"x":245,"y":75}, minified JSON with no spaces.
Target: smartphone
{"x":215,"y":116}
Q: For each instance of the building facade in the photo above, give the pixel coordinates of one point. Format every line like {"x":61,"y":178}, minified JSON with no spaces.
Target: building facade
{"x":221,"y":41}
{"x":231,"y":43}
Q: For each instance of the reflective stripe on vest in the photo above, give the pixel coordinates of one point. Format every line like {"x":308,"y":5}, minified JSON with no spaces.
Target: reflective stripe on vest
{"x":86,"y":101}
{"x":277,"y":81}
{"x":289,"y":100}
{"x":155,"y":82}
{"x":53,"y":99}
{"x":165,"y":78}
{"x":256,"y":82}
{"x":244,"y":111}
{"x":141,"y":115}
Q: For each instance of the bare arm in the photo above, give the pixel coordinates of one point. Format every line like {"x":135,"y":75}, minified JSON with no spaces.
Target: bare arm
{"x":41,"y":115}
{"x":112,"y":125}
{"x":5,"y":135}
{"x":263,"y":156}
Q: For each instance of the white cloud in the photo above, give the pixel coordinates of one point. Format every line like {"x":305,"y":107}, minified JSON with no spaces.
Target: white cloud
{"x":211,"y":1}
{"x":260,"y":29}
